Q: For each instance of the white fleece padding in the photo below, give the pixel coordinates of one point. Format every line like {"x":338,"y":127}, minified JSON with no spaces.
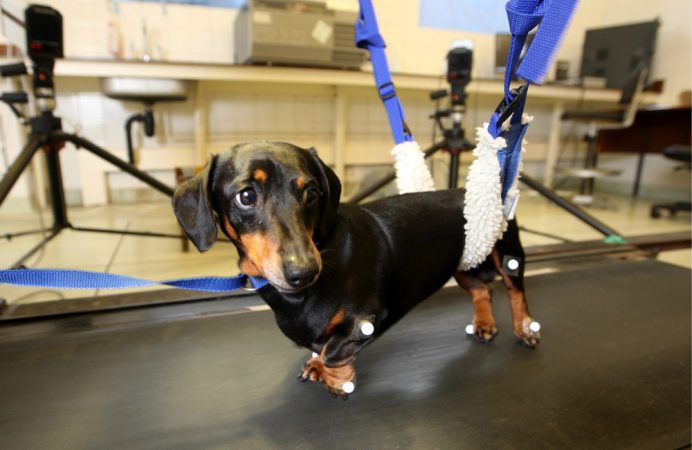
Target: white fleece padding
{"x":485,"y":221}
{"x":412,"y":174}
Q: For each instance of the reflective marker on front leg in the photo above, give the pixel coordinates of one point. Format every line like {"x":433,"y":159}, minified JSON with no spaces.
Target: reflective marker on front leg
{"x":512,"y":264}
{"x":535,"y":327}
{"x":315,"y":355}
{"x":367,"y":328}
{"x":470,"y":329}
{"x":348,"y":387}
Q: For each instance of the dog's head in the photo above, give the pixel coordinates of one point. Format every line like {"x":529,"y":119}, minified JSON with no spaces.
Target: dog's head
{"x":273,"y":200}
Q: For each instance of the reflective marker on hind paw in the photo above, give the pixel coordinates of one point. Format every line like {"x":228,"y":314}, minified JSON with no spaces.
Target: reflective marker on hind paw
{"x":367,"y":328}
{"x":348,"y":387}
{"x":512,"y":264}
{"x":315,"y":355}
{"x":535,"y":327}
{"x":470,"y":329}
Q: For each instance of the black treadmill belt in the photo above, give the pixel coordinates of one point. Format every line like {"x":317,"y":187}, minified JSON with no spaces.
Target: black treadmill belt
{"x":613,"y":371}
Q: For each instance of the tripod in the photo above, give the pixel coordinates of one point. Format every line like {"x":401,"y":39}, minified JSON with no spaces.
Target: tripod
{"x":47,"y":134}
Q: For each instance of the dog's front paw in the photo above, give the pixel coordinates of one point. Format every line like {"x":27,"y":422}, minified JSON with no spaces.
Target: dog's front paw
{"x":529,"y":332}
{"x":340,"y":380}
{"x":481,"y":332}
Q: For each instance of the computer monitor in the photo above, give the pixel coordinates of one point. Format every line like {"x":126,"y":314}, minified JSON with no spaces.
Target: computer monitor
{"x":614,"y":52}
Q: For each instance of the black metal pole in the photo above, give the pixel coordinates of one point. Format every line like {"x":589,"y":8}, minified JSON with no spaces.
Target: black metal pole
{"x":568,"y":206}
{"x":128,"y":232}
{"x":122,"y":165}
{"x":18,"y":166}
{"x":57,"y":192}
{"x":454,"y":169}
{"x":638,"y":176}
{"x":128,"y":135}
{"x":35,"y":248}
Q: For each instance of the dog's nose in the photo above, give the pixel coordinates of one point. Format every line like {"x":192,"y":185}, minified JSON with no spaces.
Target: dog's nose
{"x":299,"y":274}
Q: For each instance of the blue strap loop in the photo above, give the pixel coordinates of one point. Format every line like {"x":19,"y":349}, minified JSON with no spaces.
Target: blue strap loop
{"x":368,"y":37}
{"x":523,"y":16}
{"x":83,"y":279}
{"x":552,"y":18}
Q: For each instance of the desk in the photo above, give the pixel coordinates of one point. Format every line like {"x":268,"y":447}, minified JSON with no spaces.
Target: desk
{"x":653,"y":130}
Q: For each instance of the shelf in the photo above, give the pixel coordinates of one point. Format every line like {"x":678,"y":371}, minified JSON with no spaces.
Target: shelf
{"x":311,"y":76}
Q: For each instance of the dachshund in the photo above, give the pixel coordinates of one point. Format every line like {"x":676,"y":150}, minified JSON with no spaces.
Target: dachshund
{"x":341,"y":274}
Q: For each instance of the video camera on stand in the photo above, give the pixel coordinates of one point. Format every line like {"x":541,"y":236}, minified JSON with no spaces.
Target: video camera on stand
{"x":39,"y":34}
{"x":459,"y":66}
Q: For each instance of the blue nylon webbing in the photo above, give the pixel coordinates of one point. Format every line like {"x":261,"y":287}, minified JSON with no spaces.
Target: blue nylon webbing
{"x":552,"y":18}
{"x":368,"y":37}
{"x":82,"y":279}
{"x":523,"y":16}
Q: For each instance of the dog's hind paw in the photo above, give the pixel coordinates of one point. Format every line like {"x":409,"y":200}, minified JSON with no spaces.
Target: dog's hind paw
{"x":530,"y":333}
{"x":481,"y":333}
{"x":340,"y":381}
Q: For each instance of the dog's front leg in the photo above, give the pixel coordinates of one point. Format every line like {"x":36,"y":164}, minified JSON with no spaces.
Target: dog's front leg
{"x":334,"y":365}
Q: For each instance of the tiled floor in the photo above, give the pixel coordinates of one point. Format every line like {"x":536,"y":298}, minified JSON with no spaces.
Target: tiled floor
{"x":160,"y":259}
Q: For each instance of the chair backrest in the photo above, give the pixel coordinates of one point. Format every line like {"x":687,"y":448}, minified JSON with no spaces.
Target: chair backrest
{"x":631,"y":93}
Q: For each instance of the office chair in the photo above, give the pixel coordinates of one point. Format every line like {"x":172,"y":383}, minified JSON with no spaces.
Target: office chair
{"x":600,"y":120}
{"x":682,"y":153}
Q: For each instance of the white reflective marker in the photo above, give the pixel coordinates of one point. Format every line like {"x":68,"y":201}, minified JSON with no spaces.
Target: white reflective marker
{"x":348,"y":387}
{"x":535,"y":327}
{"x":367,"y":328}
{"x":314,"y":355}
{"x":470,"y":329}
{"x":512,"y":264}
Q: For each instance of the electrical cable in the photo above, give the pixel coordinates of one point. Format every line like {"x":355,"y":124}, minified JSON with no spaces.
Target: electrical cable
{"x":109,"y":264}
{"x":17,"y":301}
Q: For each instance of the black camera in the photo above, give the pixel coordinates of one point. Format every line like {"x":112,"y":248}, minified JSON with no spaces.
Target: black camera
{"x":459,"y":65}
{"x":44,"y":37}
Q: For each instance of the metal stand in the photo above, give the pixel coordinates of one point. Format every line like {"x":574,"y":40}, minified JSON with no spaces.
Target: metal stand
{"x":46,"y":134}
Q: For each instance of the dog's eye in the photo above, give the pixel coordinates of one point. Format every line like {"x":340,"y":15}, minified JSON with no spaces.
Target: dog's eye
{"x":310,"y":196}
{"x":246,"y":199}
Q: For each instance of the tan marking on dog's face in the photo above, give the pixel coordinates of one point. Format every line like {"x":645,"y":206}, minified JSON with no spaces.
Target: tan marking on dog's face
{"x":230,"y":230}
{"x":300,"y":182}
{"x":315,"y":251}
{"x":260,"y":175}
{"x":261,"y":258}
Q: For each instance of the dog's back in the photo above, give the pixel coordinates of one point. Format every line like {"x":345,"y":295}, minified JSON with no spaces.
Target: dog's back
{"x":419,"y":243}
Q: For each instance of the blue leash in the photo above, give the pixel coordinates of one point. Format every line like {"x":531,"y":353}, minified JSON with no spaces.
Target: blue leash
{"x":82,"y":279}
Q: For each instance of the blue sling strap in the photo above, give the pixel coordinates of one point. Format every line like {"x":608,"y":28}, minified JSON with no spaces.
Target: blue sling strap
{"x":552,"y":18}
{"x":368,"y":37}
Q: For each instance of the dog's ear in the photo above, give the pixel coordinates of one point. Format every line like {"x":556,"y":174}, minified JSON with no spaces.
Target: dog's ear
{"x":192,"y":207}
{"x":331,"y":193}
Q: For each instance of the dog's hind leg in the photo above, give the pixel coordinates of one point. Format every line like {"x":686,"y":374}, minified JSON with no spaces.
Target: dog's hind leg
{"x":508,"y":258}
{"x":476,"y":284}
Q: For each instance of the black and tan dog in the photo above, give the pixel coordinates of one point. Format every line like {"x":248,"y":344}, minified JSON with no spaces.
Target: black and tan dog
{"x":333,"y":268}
